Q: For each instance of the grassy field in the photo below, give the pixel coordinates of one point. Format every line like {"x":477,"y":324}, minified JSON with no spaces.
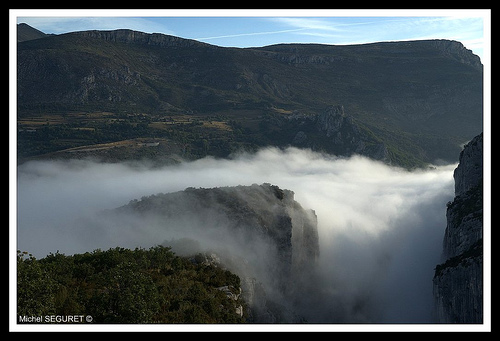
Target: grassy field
{"x":120,"y":136}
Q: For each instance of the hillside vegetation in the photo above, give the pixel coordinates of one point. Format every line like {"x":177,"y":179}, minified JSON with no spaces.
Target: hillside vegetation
{"x":127,"y":286}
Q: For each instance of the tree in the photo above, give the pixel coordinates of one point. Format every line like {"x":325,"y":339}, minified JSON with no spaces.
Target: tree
{"x":35,"y":287}
{"x":125,"y":286}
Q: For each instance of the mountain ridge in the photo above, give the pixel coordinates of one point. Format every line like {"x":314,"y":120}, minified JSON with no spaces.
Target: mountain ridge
{"x":448,"y":47}
{"x":132,"y":36}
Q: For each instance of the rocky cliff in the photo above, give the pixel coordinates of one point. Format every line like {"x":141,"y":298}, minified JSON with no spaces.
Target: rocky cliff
{"x":136,"y":37}
{"x":332,"y":131}
{"x":458,"y":282}
{"x":258,"y":232}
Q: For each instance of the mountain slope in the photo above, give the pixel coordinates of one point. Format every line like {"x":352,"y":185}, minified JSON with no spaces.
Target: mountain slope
{"x":420,"y":98}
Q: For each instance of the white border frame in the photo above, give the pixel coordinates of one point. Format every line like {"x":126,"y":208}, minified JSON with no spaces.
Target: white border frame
{"x":486,"y":60}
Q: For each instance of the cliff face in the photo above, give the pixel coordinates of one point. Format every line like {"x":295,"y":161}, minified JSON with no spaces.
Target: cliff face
{"x":259,"y":232}
{"x":459,"y":52}
{"x":130,"y":36}
{"x":469,"y":172}
{"x":335,"y":132}
{"x":458,"y":282}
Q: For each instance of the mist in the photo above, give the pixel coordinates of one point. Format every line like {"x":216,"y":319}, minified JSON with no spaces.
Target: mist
{"x":380,"y":227}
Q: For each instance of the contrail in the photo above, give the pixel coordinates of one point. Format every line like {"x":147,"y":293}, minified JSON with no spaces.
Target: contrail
{"x":251,"y":34}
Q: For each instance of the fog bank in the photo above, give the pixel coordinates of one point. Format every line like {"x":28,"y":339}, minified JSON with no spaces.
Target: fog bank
{"x":380,"y":228}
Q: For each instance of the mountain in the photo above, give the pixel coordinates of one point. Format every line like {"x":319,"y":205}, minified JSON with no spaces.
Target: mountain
{"x":458,"y":282}
{"x":414,"y":101}
{"x":26,"y":32}
{"x":258,"y":232}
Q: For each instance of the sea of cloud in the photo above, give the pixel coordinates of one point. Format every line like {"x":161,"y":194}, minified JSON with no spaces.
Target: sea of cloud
{"x":380,"y":227}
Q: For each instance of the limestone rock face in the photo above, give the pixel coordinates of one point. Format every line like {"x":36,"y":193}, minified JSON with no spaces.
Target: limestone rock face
{"x":130,"y":36}
{"x":458,"y":290}
{"x":332,"y":131}
{"x":470,"y":170}
{"x":458,"y":282}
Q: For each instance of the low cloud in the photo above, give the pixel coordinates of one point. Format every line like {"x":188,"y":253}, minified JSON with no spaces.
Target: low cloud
{"x":380,"y":227}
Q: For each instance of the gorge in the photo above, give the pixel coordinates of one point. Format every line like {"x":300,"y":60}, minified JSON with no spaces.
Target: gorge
{"x":318,"y":174}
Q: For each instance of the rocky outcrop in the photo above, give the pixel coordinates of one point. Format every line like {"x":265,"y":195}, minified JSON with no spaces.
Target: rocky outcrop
{"x":331,"y":131}
{"x":458,"y":51}
{"x":258,"y":232}
{"x":469,"y":172}
{"x":130,"y":36}
{"x":458,"y":282}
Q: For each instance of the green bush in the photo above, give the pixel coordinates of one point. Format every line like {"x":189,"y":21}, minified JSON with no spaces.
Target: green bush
{"x":126,"y":286}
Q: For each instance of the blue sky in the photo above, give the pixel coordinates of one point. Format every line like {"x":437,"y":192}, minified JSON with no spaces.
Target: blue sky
{"x":249,"y":28}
